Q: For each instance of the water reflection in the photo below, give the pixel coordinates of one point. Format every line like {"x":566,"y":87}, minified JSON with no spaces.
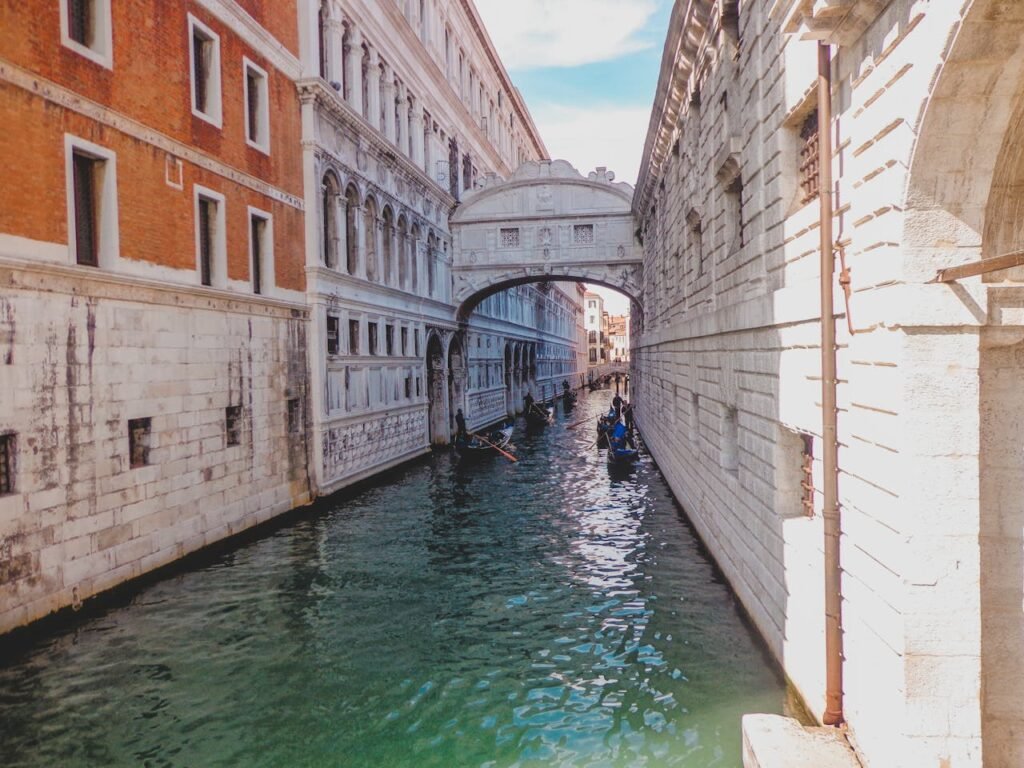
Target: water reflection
{"x":539,"y":613}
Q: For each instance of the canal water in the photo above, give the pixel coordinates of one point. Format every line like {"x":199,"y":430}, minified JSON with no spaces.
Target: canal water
{"x":541,"y":613}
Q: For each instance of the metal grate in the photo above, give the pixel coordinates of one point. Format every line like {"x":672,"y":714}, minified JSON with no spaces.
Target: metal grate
{"x":8,"y":450}
{"x":510,"y":238}
{"x":809,"y":172}
{"x":583,"y":234}
{"x":138,"y":441}
{"x":807,"y":484}
{"x":233,"y":424}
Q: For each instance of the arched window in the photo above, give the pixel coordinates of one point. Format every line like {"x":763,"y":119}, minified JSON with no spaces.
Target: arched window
{"x":329,"y":220}
{"x":413,"y":247}
{"x":388,"y":244}
{"x":403,"y":250}
{"x":370,"y":237}
{"x":351,"y":230}
{"x":322,"y":19}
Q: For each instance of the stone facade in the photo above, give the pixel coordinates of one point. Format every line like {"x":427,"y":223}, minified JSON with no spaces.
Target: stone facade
{"x":403,"y":116}
{"x":927,"y":105}
{"x":154,"y":373}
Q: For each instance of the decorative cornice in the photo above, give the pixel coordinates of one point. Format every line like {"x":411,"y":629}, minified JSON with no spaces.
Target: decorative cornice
{"x":688,"y":34}
{"x":521,"y":109}
{"x":230,"y":13}
{"x":833,"y":21}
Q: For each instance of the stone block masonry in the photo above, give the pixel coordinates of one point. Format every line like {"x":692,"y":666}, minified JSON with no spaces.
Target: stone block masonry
{"x":145,"y":424}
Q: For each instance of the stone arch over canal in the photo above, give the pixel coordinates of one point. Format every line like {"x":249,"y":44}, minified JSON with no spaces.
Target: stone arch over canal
{"x":547,"y":222}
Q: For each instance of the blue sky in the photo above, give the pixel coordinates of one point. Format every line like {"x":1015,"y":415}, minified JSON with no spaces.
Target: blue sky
{"x":587,"y":70}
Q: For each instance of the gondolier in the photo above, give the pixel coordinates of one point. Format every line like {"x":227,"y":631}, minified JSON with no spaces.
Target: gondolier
{"x":460,"y":425}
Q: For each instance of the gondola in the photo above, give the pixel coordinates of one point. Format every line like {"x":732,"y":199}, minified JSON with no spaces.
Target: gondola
{"x":568,"y":399}
{"x":605,"y":424}
{"x":619,"y":450}
{"x":475,"y":448}
{"x":540,"y":414}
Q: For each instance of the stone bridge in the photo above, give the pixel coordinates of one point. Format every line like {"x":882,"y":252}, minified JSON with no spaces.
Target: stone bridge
{"x":547,"y":222}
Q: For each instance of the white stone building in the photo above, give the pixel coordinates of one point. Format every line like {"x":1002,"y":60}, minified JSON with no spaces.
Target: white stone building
{"x":927,"y":103}
{"x":593,"y":318}
{"x":406,"y":107}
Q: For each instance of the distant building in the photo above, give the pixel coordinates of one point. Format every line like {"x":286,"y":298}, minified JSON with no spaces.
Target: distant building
{"x":594,"y":323}
{"x":618,"y":338}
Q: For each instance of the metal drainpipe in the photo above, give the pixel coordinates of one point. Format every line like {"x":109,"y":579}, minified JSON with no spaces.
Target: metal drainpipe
{"x":830,"y":450}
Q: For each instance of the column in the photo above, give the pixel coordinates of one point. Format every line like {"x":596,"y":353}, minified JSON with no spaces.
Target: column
{"x":373,"y":90}
{"x":335,"y":51}
{"x":414,"y":265}
{"x":402,"y":111}
{"x":360,"y":227}
{"x":416,"y":132}
{"x":378,"y":256}
{"x":354,"y":69}
{"x":389,"y":103}
{"x":395,"y":256}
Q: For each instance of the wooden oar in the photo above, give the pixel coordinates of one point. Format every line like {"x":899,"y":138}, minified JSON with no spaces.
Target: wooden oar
{"x":578,"y":423}
{"x":485,"y":441}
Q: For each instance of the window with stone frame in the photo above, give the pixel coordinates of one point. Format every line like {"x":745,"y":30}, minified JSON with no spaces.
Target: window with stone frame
{"x":509,"y":237}
{"x":257,"y":106}
{"x":389,"y":340}
{"x":405,"y":342}
{"x":371,"y":329}
{"x":8,"y":465}
{"x":808,"y":167}
{"x":353,"y":337}
{"x":86,"y":29}
{"x":139,"y":434}
{"x":695,"y":231}
{"x":86,"y":170}
{"x":204,"y":50}
{"x":734,"y":214}
{"x":333,"y":334}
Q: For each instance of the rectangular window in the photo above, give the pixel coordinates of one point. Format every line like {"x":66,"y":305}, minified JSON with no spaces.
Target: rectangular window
{"x":809,"y":158}
{"x":418,"y":386}
{"x":87,"y":223}
{"x":408,"y":387}
{"x":416,"y":340}
{"x":233,"y":424}
{"x":730,"y":445}
{"x":257,"y":107}
{"x":405,"y":342}
{"x":204,"y":50}
{"x":258,"y":247}
{"x":510,"y":238}
{"x":86,"y":29}
{"x":389,"y":340}
{"x":8,"y":452}
{"x":139,"y":432}
{"x":206,"y":223}
{"x":294,"y":416}
{"x":371,"y":329}
{"x":593,"y":356}
{"x":353,"y":337}
{"x":583,"y":234}
{"x":332,"y":335}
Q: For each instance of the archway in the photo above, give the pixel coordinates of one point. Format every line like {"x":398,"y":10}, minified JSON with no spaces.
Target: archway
{"x":510,"y":403}
{"x":965,"y":192}
{"x":437,"y":392}
{"x":456,"y":381}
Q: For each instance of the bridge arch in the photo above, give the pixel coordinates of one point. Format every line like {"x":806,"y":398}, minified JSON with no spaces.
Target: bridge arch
{"x":547,"y":222}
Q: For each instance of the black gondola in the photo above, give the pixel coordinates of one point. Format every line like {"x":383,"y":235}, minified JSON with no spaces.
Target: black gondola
{"x":477,"y":447}
{"x":540,"y":414}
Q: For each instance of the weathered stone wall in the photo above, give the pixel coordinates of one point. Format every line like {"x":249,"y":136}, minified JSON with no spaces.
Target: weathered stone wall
{"x":728,"y":359}
{"x":82,"y":356}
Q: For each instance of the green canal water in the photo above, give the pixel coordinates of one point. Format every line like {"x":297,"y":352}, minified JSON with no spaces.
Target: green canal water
{"x":532,"y":614}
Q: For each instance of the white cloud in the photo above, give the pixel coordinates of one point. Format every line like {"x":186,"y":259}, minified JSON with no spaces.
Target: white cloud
{"x":595,"y":135}
{"x":530,"y":34}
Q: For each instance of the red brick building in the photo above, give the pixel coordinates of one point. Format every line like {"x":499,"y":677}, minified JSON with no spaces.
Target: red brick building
{"x":152,"y":315}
